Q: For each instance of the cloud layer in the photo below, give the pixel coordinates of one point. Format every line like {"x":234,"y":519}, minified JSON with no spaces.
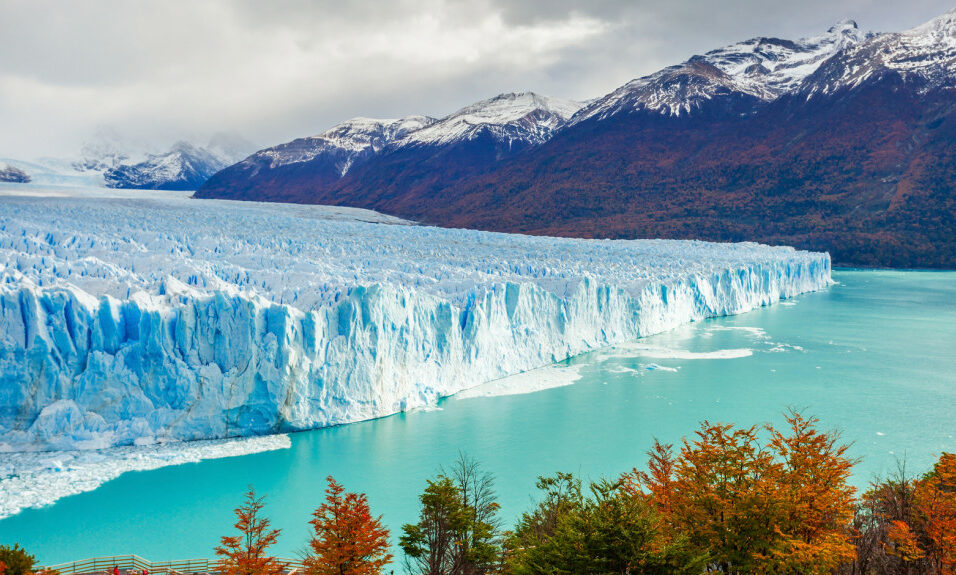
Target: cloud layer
{"x":160,"y":70}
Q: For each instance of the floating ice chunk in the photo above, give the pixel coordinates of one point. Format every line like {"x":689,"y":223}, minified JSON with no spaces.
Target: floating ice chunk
{"x":640,"y":349}
{"x":657,"y":367}
{"x":548,"y":377}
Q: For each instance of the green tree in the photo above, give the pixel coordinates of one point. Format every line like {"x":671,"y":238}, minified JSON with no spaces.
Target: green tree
{"x":457,"y":530}
{"x":612,"y":530}
{"x":16,"y":560}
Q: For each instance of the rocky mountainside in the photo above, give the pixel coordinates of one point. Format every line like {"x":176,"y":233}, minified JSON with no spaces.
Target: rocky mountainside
{"x":108,"y":160}
{"x":13,"y":174}
{"x":738,"y":76}
{"x":185,"y":166}
{"x":844,"y":142}
{"x":395,"y":153}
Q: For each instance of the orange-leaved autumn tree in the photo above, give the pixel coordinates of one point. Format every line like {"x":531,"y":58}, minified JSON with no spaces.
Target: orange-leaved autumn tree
{"x":817,"y":500}
{"x":933,"y":522}
{"x":756,"y":506}
{"x":347,"y":540}
{"x":245,"y":554}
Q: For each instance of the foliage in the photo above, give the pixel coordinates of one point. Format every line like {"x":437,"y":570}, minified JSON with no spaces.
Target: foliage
{"x":347,"y":540}
{"x":612,"y":530}
{"x":908,"y":525}
{"x":15,"y":560}
{"x":245,"y":554}
{"x":777,"y":506}
{"x":457,"y":530}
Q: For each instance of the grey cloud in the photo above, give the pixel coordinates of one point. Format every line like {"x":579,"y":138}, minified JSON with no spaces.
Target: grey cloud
{"x":161,"y":70}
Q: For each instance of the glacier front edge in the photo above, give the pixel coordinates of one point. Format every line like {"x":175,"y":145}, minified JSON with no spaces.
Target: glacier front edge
{"x":153,"y":318}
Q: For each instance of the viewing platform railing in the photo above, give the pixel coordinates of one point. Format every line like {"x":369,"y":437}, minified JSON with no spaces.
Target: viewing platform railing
{"x":134,"y":565}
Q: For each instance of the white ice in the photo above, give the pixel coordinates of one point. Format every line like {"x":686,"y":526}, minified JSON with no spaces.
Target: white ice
{"x":144,"y":317}
{"x":35,"y":479}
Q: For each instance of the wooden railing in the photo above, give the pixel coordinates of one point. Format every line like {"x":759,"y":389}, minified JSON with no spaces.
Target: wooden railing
{"x":135,"y":565}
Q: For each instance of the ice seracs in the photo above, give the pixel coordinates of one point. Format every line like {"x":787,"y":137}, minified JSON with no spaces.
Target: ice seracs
{"x":150,"y":317}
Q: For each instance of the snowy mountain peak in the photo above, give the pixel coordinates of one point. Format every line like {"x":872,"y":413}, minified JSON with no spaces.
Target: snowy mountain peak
{"x":184,"y":167}
{"x":843,"y":26}
{"x":762,"y":68}
{"x":344,"y":144}
{"x":361,"y":133}
{"x":926,"y":53}
{"x":526,"y":117}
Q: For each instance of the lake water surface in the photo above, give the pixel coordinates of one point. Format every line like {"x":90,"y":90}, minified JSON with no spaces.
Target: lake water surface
{"x":874,"y":356}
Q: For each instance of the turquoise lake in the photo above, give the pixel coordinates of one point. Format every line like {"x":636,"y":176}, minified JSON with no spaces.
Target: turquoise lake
{"x":873,"y":356}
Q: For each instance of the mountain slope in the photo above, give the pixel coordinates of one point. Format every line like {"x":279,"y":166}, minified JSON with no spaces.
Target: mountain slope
{"x":320,"y":160}
{"x":738,"y":76}
{"x":12,"y":174}
{"x":184,"y":167}
{"x":394,"y":154}
{"x":843,"y":142}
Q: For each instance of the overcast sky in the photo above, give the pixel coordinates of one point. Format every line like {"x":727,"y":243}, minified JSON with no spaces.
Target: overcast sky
{"x":160,"y":70}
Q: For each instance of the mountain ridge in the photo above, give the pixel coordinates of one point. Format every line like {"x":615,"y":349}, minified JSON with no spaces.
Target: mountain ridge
{"x":842,"y":141}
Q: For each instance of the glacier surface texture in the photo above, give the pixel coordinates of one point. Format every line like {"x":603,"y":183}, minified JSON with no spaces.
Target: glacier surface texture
{"x":145,"y":317}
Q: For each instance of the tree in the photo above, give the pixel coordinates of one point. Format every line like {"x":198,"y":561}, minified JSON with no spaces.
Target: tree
{"x":480,"y":547}
{"x":15,"y":560}
{"x":816,"y":500}
{"x":908,"y":525}
{"x":432,"y":545}
{"x":935,"y":507}
{"x":883,"y":538}
{"x":457,"y":530}
{"x":347,"y":540}
{"x":245,"y":554}
{"x":780,"y":506}
{"x":612,"y":530}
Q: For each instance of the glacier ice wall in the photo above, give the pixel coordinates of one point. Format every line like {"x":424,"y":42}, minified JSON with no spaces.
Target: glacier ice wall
{"x":151,"y":318}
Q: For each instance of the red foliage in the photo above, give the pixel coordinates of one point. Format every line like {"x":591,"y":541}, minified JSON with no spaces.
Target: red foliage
{"x":245,"y":554}
{"x":347,"y":540}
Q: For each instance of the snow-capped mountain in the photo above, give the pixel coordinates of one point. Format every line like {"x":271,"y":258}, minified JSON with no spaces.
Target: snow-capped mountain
{"x":759,"y":69}
{"x":513,"y":119}
{"x":110,"y":160}
{"x":184,"y":167}
{"x":841,"y":141}
{"x":925,"y":54}
{"x":12,"y":174}
{"x":344,"y":145}
{"x":490,"y":130}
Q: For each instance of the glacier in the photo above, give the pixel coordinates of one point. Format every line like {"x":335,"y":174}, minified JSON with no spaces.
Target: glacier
{"x":137,"y":318}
